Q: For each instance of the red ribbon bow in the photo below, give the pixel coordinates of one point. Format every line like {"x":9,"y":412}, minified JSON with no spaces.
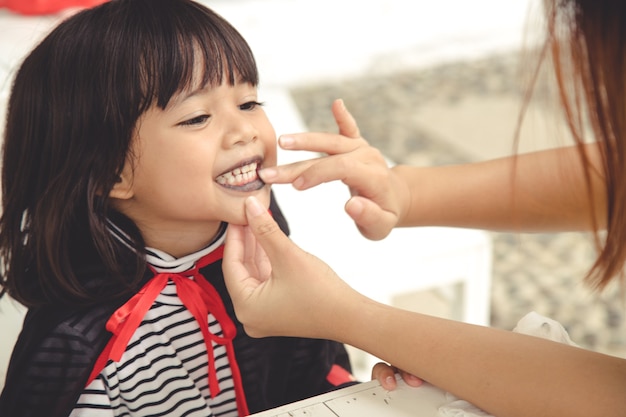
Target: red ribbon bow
{"x":200,"y":298}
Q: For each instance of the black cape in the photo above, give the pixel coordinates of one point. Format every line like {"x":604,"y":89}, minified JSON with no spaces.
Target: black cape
{"x":58,"y":346}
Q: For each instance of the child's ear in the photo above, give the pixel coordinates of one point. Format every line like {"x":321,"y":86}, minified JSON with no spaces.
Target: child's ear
{"x":123,"y":188}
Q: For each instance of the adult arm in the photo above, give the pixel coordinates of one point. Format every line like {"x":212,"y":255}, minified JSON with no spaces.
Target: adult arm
{"x":278,"y":289}
{"x":539,"y":191}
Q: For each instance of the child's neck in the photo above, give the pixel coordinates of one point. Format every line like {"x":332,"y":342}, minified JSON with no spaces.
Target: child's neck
{"x":164,"y":262}
{"x":178,"y":244}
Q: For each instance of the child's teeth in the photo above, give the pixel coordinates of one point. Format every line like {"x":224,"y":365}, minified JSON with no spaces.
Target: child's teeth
{"x":239,"y":175}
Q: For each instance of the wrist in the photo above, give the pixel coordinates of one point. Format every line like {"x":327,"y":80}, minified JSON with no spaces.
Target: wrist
{"x":339,"y":316}
{"x":402,"y":177}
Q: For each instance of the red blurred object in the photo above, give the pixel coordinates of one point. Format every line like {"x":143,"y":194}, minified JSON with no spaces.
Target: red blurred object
{"x":39,"y":7}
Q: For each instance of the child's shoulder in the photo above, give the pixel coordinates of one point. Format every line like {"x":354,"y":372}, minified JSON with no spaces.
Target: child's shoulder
{"x":55,"y":327}
{"x":53,"y":357}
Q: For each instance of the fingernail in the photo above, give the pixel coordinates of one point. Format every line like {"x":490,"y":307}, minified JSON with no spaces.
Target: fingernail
{"x":298,"y":183}
{"x":355,"y":206}
{"x":254,"y":207}
{"x":268,"y":174}
{"x":285,"y":141}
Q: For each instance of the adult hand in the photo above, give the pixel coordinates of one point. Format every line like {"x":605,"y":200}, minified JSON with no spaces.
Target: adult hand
{"x":379,"y":197}
{"x":277,"y":288}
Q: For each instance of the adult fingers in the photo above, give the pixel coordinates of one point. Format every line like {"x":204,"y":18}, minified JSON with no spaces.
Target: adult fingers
{"x":346,"y":123}
{"x":266,"y":231}
{"x":411,"y":379}
{"x":320,"y":142}
{"x":385,"y":374}
{"x":362,"y":168}
{"x":285,"y":174}
{"x":241,"y":279}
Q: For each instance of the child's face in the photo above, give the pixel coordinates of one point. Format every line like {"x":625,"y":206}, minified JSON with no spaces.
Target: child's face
{"x":184,"y":176}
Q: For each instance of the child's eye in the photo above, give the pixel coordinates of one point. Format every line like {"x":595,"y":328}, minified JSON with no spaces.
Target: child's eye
{"x":195,"y":121}
{"x":250,"y":105}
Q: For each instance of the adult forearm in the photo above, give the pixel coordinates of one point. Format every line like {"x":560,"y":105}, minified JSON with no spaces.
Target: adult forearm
{"x":505,"y":373}
{"x":541,"y":191}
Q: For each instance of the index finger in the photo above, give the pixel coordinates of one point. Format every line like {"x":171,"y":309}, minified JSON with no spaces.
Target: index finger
{"x":285,"y":174}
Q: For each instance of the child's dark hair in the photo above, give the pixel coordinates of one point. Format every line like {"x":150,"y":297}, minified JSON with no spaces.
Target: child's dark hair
{"x":73,"y":108}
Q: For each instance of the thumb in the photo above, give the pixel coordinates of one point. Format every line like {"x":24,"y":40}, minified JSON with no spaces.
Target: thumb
{"x":372,"y":221}
{"x":265,"y":229}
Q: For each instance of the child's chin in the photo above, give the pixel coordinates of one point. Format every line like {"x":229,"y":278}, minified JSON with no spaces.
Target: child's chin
{"x":263,"y":195}
{"x":238,"y":213}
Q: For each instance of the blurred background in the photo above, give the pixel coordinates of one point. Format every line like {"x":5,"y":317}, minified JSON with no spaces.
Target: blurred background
{"x":429,"y":83}
{"x":434,"y":83}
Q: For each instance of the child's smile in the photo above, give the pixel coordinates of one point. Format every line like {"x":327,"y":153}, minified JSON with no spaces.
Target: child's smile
{"x":242,"y":178}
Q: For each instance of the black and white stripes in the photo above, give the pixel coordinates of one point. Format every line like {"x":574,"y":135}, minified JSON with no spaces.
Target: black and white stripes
{"x":163,"y":371}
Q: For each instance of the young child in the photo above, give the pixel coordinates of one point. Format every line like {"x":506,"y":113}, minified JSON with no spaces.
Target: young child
{"x":133,"y":137}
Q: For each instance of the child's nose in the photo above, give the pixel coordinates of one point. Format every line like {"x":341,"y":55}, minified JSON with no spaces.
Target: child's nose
{"x":240,"y":131}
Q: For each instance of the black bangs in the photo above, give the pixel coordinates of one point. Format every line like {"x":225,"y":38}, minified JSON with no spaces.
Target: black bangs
{"x":175,"y":36}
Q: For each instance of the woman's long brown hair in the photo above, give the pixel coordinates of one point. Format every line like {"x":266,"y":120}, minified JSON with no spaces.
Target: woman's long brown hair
{"x":586,"y":40}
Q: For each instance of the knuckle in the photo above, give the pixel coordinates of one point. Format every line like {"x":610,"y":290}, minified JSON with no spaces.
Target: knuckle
{"x":266,"y":229}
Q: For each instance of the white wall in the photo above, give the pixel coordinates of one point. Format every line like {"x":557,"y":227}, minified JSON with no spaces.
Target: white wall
{"x":11,"y":316}
{"x":299,"y":41}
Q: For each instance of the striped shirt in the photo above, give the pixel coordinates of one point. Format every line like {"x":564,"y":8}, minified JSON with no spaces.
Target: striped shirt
{"x":163,"y":370}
